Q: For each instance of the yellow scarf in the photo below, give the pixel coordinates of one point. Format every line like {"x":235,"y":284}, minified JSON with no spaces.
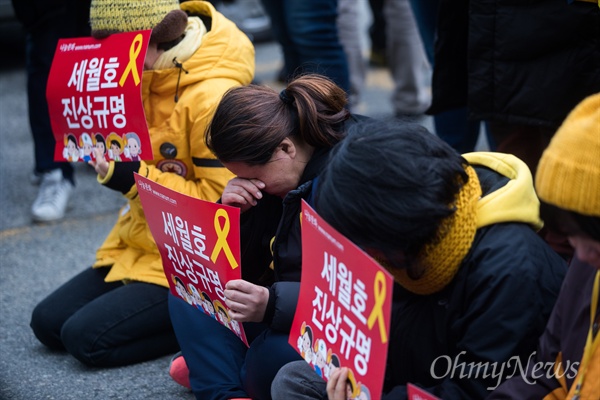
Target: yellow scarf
{"x":442,"y":257}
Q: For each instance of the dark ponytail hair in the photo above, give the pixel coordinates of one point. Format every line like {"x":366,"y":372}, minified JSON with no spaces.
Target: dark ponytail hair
{"x":251,"y":121}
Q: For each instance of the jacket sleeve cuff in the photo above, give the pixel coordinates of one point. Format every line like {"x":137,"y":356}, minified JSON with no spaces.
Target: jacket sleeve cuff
{"x":120,"y":176}
{"x":284,"y":296}
{"x":270,"y":311}
{"x":109,"y":174}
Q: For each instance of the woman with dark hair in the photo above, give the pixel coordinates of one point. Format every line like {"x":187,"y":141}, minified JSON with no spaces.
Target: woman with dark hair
{"x":474,"y":283}
{"x":568,"y":183}
{"x":275,"y":144}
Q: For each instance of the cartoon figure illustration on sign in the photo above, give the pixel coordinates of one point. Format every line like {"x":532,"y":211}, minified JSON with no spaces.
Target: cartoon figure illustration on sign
{"x":235,"y":327}
{"x":222,"y":315}
{"x":86,"y":146}
{"x":115,"y":144}
{"x":305,"y":342}
{"x":181,"y":289}
{"x":320,"y":360}
{"x":197,"y":299}
{"x":133,"y":146}
{"x":333,"y":363}
{"x":100,"y":143}
{"x":207,"y":304}
{"x":71,"y":150}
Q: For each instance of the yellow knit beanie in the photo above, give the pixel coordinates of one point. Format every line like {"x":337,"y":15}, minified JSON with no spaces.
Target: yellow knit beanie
{"x":568,"y":175}
{"x":164,"y":17}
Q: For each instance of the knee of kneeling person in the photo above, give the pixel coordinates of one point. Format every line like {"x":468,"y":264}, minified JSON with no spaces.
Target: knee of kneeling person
{"x":79,"y":344}
{"x":46,"y":327}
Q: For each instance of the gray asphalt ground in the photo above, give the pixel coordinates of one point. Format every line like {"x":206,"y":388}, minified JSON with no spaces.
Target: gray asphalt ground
{"x":36,"y":258}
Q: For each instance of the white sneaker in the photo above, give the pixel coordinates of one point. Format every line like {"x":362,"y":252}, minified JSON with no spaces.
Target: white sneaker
{"x":51,"y":202}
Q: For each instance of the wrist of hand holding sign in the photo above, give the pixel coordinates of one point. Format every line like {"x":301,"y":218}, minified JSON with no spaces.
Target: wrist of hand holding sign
{"x":116,"y":175}
{"x":246,"y":301}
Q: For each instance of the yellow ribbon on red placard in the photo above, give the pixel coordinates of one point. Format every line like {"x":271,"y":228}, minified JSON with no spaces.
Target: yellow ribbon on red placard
{"x":222,"y":244}
{"x":134,"y":52}
{"x":377,"y":311}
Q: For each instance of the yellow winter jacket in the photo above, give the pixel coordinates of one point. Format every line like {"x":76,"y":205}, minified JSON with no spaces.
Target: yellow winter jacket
{"x":182,"y":161}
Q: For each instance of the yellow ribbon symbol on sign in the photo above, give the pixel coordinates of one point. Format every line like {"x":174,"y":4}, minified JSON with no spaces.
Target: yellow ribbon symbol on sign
{"x":222,"y":244}
{"x":377,"y":311}
{"x":134,"y":52}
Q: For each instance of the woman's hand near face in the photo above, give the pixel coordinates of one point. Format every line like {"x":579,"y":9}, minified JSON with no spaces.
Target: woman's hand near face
{"x":247,"y":302}
{"x":242,"y":193}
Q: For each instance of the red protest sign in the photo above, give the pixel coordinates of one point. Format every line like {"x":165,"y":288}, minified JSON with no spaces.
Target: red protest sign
{"x":199,"y":243}
{"x":344,"y":307}
{"x":95,"y":99}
